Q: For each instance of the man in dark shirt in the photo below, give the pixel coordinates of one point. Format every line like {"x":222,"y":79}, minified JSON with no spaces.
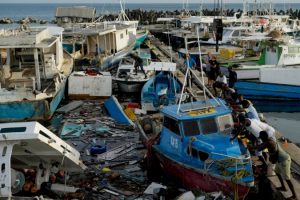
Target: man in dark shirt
{"x":232,"y":77}
{"x":282,"y":160}
{"x":138,"y":63}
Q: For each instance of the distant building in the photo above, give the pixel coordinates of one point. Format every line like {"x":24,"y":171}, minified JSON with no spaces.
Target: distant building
{"x":77,"y":14}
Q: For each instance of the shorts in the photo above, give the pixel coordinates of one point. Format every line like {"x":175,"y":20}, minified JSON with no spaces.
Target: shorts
{"x":284,"y":168}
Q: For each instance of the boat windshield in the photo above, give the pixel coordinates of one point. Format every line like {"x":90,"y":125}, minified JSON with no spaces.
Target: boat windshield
{"x":191,"y":128}
{"x":202,"y":126}
{"x":172,"y":125}
{"x":208,"y":125}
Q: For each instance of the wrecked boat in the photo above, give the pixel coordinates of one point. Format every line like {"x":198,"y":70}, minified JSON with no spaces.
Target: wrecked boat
{"x":129,"y":79}
{"x":31,"y":146}
{"x":34,"y":71}
{"x":162,"y":89}
{"x":194,"y":147}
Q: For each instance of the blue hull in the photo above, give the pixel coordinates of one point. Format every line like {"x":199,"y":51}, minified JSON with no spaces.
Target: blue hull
{"x":269,"y":97}
{"x":116,"y":111}
{"x":140,"y":40}
{"x":275,"y":106}
{"x":153,"y":86}
{"x":40,"y":110}
{"x":268,"y":90}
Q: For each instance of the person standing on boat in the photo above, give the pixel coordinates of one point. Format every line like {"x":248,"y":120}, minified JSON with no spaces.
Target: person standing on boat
{"x":232,"y":77}
{"x":138,"y":62}
{"x":282,"y":160}
{"x":191,"y":64}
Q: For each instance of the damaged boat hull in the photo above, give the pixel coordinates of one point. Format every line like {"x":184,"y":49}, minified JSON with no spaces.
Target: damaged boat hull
{"x":27,"y":110}
{"x":193,"y":178}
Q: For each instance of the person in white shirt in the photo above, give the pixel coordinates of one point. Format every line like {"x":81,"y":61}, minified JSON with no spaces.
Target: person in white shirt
{"x":220,"y":82}
{"x":255,"y":127}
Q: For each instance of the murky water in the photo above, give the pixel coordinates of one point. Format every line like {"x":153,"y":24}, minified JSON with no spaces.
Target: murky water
{"x":286,"y":123}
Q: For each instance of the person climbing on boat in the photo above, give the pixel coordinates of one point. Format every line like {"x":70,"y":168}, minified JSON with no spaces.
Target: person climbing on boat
{"x":250,"y":110}
{"x":252,"y":126}
{"x":282,"y":160}
{"x":138,"y":63}
{"x":228,"y":92}
{"x":220,"y":82}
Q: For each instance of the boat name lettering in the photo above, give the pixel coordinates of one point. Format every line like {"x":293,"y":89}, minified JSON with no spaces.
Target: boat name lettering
{"x":174,"y":142}
{"x":202,"y":112}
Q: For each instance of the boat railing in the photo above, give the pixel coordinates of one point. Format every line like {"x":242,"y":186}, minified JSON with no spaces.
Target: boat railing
{"x":239,"y":160}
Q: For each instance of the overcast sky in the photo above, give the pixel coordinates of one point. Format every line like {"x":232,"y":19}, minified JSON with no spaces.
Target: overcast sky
{"x":138,"y":1}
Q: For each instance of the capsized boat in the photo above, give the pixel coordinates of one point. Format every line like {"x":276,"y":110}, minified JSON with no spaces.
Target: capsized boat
{"x":194,"y":147}
{"x":162,"y":89}
{"x":34,"y":71}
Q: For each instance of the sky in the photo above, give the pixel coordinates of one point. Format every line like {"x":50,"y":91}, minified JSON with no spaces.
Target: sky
{"x":137,"y":1}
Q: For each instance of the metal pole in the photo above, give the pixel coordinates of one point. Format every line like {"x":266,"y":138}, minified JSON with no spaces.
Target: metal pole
{"x":37,"y":69}
{"x":200,"y":59}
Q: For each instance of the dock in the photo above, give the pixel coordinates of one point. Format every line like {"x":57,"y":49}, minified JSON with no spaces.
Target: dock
{"x":165,"y":53}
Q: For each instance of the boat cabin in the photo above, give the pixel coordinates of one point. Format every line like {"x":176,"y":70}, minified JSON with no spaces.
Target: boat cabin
{"x":30,"y":61}
{"x":195,"y":142}
{"x":198,"y":129}
{"x":101,"y":39}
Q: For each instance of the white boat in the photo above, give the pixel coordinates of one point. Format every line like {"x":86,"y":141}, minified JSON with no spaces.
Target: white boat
{"x":278,"y":56}
{"x":34,"y":70}
{"x":103,"y":44}
{"x":127,"y":78}
{"x":228,"y":34}
{"x":29,"y":145}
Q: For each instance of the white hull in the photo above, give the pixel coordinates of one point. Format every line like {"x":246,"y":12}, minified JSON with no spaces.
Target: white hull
{"x":130,"y":86}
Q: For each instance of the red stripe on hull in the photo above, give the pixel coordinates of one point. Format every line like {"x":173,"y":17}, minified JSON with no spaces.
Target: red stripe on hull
{"x":194,"y":179}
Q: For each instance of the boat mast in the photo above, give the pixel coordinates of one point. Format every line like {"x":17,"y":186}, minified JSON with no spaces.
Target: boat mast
{"x":186,"y":11}
{"x":122,"y":15}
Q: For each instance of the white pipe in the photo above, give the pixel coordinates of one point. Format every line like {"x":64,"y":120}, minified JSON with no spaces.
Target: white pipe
{"x":37,"y":69}
{"x":200,"y":58}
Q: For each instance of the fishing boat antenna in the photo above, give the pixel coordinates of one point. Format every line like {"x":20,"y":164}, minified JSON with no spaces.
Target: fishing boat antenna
{"x":122,"y":15}
{"x":189,"y":71}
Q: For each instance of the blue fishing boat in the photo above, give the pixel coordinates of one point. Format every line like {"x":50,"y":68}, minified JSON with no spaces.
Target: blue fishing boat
{"x":271,"y":97}
{"x":162,"y":89}
{"x":34,"y":71}
{"x":194,"y":147}
{"x":115,"y":110}
{"x":271,"y":91}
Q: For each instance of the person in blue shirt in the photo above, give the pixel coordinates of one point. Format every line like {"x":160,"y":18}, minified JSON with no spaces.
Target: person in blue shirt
{"x":189,"y":61}
{"x":250,"y":110}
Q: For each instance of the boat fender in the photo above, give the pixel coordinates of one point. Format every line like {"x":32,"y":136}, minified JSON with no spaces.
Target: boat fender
{"x":97,"y":149}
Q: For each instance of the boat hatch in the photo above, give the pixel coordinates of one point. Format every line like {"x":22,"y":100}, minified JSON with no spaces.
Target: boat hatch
{"x":197,"y":107}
